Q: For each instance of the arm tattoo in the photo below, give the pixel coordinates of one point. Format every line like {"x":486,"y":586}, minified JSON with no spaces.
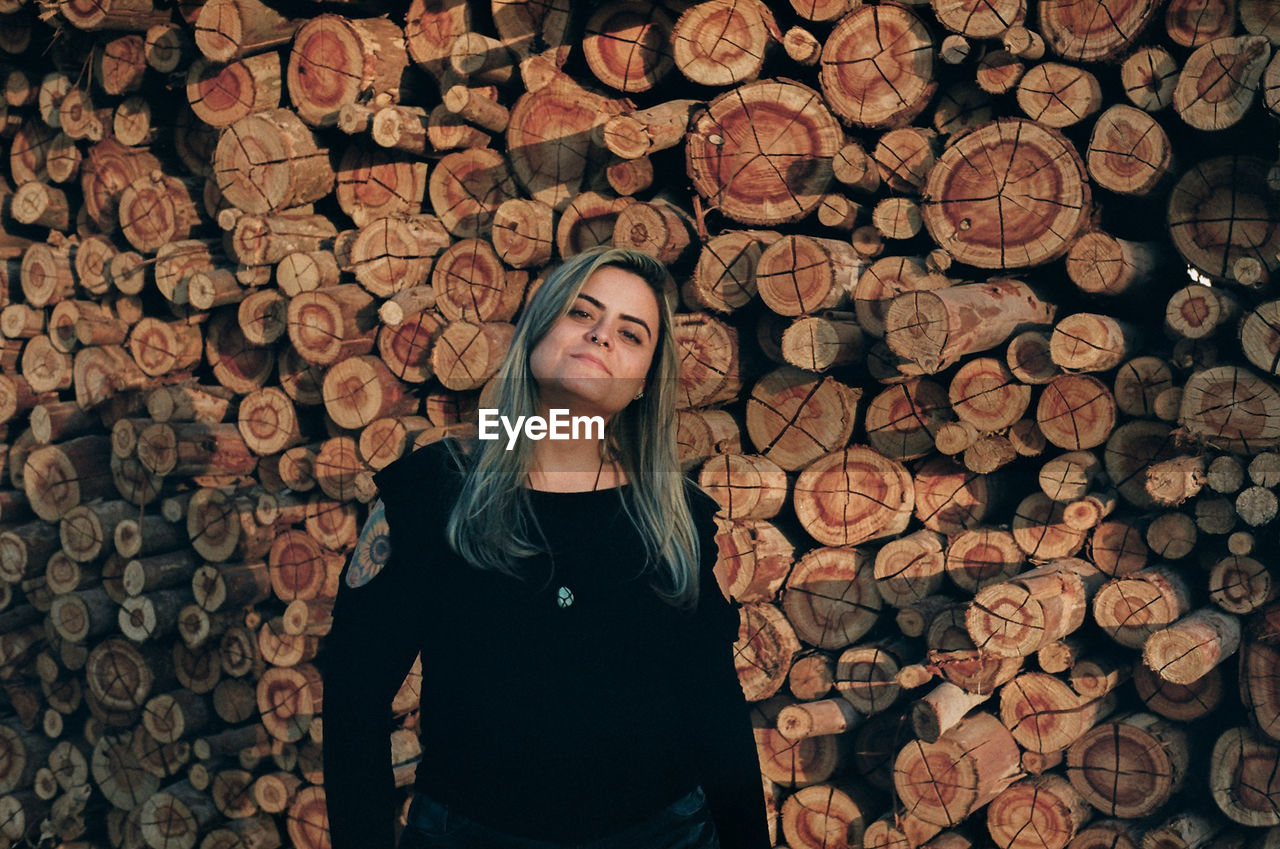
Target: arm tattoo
{"x":372,"y":549}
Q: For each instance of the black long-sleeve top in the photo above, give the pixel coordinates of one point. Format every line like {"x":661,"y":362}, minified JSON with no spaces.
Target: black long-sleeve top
{"x":558,"y":722}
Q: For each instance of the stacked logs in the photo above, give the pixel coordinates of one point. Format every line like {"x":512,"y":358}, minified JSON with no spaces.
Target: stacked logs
{"x":999,"y":528}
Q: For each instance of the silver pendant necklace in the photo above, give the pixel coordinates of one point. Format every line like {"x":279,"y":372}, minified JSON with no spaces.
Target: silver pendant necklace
{"x":564,"y":595}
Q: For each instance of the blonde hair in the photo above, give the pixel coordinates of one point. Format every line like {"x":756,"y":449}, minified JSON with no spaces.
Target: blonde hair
{"x":491,"y":522}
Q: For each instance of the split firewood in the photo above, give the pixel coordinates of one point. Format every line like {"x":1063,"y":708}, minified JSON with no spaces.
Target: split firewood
{"x":996,"y":479}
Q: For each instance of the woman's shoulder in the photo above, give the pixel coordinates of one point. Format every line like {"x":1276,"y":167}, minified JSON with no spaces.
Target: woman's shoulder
{"x":427,"y":467}
{"x":717,"y":612}
{"x":702,"y":504}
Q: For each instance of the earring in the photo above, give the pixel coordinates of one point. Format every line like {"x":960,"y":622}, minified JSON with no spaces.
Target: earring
{"x":638,"y":394}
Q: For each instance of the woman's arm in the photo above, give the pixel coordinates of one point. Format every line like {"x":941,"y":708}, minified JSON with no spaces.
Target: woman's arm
{"x":727,"y":761}
{"x":729,"y":766}
{"x":365,"y":657}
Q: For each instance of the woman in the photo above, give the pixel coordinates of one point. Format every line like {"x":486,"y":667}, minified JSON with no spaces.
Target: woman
{"x":578,"y":686}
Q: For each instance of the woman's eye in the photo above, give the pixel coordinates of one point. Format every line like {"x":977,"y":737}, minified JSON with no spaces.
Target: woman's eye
{"x":575,"y":311}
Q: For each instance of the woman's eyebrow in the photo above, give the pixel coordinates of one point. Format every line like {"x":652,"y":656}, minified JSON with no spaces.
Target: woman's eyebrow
{"x":638,"y":321}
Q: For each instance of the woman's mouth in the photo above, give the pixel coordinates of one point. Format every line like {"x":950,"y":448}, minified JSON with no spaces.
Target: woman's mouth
{"x":592,"y":359}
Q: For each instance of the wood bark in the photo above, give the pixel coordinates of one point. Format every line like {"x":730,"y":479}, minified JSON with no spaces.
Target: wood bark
{"x":1236,"y":64}
{"x":1186,"y":650}
{"x":934,"y":329}
{"x":799,"y":427}
{"x":728,"y":151}
{"x":1214,"y":405}
{"x":1045,"y":715}
{"x":1058,"y":95}
{"x":871,"y":495}
{"x":271,"y":161}
{"x":333,"y":59}
{"x":965,"y":209}
{"x":1034,"y":609}
{"x":231,"y":29}
{"x":1236,"y":183}
{"x":1241,"y":777}
{"x":724,"y":44}
{"x":858,"y":92}
{"x":221,"y":94}
{"x":945,"y":781}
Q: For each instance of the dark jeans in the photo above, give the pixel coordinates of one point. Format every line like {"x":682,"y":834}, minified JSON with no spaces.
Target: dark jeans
{"x":684,"y":824}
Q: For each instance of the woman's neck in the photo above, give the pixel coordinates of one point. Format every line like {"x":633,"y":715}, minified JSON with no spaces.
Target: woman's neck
{"x":572,"y":466}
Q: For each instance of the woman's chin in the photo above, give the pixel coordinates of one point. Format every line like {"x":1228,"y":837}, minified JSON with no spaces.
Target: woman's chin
{"x":596,"y":390}
{"x":581,"y":402}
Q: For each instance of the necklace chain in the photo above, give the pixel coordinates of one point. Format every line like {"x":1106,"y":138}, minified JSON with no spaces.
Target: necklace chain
{"x":564,"y":595}
{"x":594,"y":486}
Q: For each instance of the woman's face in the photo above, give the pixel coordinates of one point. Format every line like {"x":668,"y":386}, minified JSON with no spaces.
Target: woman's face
{"x":620,"y":310}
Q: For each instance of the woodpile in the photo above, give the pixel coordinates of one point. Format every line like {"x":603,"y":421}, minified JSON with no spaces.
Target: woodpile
{"x":981,"y":357}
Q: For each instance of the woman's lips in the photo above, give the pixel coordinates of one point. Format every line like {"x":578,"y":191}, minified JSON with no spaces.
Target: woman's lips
{"x":592,"y":359}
